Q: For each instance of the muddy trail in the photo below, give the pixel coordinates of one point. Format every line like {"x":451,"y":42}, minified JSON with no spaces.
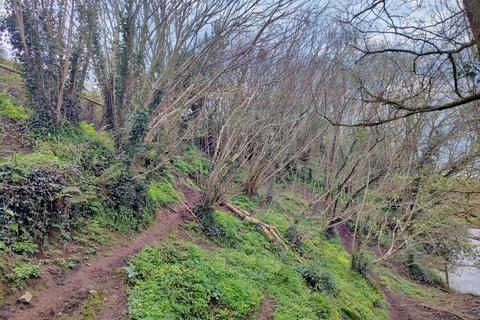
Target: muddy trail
{"x":267,"y":309}
{"x":59,"y":299}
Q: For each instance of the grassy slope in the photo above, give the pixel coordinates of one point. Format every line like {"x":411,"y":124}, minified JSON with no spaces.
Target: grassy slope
{"x":182,"y":280}
{"x":86,"y":158}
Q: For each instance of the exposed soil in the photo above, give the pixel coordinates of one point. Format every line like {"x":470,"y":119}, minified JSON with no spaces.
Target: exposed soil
{"x":12,"y":138}
{"x":266,"y":311}
{"x":63,"y":296}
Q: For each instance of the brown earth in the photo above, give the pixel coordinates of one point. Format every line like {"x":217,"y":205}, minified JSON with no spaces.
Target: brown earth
{"x":266,"y":311}
{"x":66,"y":296}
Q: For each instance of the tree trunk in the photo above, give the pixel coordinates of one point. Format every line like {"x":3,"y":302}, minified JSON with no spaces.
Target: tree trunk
{"x":472,"y":11}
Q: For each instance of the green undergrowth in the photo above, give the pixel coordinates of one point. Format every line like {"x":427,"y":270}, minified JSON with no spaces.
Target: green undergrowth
{"x":74,"y":175}
{"x":192,"y":163}
{"x":20,"y":272}
{"x":72,"y":187}
{"x":303,"y":175}
{"x":401,"y":285}
{"x":244,"y":202}
{"x":11,"y":110}
{"x":182,"y":280}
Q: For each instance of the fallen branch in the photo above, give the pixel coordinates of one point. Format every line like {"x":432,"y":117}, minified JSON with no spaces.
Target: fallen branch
{"x":271,"y":232}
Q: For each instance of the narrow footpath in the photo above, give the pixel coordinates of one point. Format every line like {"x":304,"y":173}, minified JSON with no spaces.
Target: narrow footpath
{"x":58,"y":299}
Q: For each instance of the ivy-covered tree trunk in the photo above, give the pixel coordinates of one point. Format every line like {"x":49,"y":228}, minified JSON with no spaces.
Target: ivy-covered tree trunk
{"x":52,"y":55}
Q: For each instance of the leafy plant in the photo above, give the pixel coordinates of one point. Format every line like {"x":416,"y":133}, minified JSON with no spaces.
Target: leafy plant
{"x":322,"y":281}
{"x":360,"y":263}
{"x":67,"y":263}
{"x":24,"y":247}
{"x":89,"y":250}
{"x":327,"y":283}
{"x":293,"y":236}
{"x":21,"y":272}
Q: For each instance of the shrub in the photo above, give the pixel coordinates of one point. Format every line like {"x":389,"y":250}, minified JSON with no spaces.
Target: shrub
{"x":421,"y":274}
{"x":379,"y":304}
{"x":132,"y":202}
{"x":350,"y":224}
{"x":211,"y":228}
{"x":21,"y":272}
{"x":360,"y":263}
{"x":294,"y":238}
{"x":321,"y":281}
{"x":127,"y":192}
{"x":330,"y":233}
{"x":327,"y":283}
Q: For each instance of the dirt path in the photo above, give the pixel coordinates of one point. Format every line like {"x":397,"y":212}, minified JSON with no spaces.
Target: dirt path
{"x":104,"y":273}
{"x":267,"y":309}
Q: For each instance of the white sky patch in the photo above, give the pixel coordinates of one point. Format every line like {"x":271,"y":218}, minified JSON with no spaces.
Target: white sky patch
{"x":5,"y":47}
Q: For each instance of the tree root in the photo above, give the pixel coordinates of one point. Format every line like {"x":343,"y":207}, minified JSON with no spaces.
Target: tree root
{"x":271,"y":232}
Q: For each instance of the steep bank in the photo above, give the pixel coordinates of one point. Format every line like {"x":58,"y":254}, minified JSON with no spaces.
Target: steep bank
{"x":102,"y":274}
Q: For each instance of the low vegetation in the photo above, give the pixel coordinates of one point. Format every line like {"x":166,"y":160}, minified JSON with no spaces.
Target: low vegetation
{"x":20,"y":272}
{"x":183,"y":280}
{"x":71,"y":187}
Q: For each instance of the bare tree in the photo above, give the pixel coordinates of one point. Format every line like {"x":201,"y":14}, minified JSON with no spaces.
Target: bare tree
{"x":434,"y":59}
